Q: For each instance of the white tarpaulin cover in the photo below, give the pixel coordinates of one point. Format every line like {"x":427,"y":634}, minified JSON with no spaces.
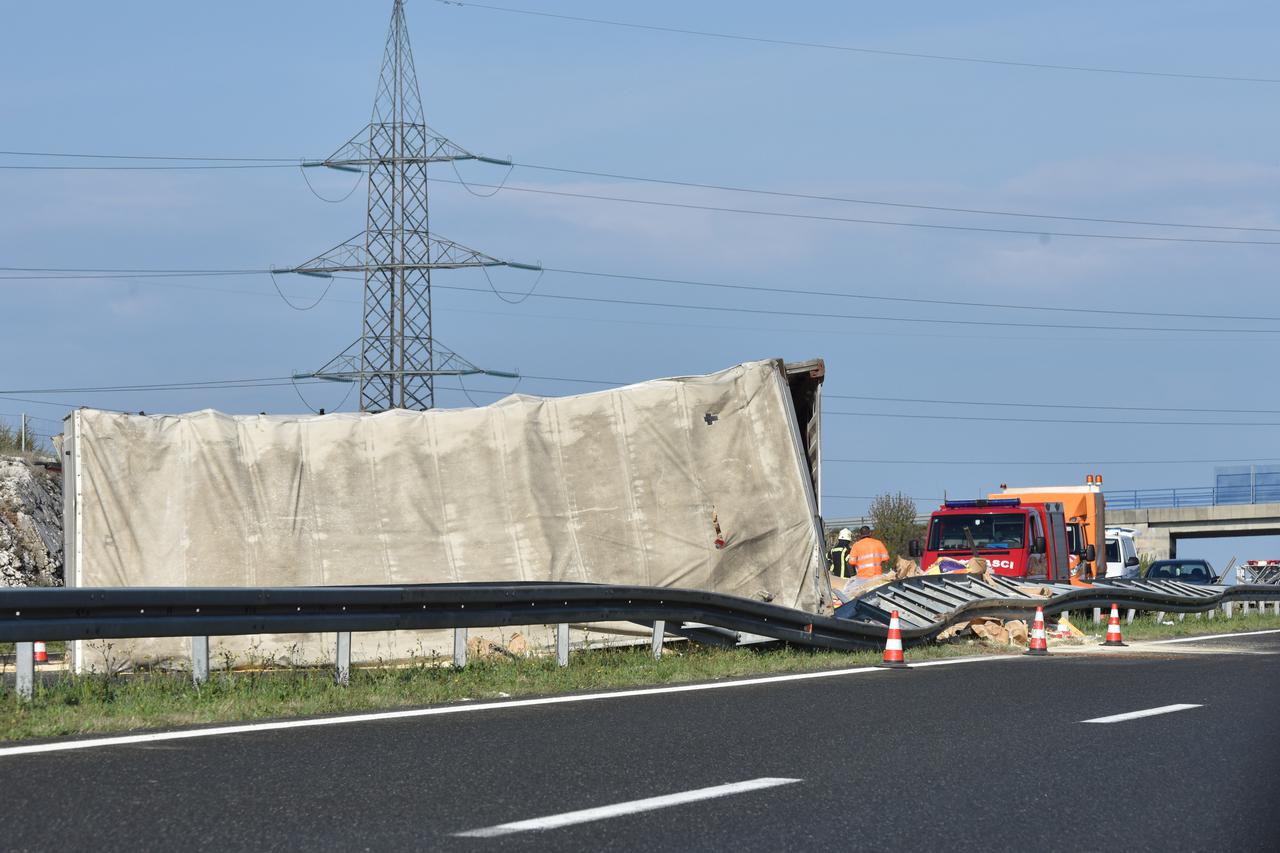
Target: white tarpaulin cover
{"x":617,"y":487}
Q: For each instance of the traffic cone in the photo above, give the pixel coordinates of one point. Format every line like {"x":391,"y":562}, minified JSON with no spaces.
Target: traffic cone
{"x":893,"y":658}
{"x":1038,"y":644}
{"x":41,"y":654}
{"x":1113,"y":629}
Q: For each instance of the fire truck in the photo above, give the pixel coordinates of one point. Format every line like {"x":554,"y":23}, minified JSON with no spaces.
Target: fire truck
{"x":1016,"y":538}
{"x":1083,"y":507}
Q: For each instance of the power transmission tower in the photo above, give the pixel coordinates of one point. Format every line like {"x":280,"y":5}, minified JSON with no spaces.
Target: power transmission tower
{"x":397,"y":357}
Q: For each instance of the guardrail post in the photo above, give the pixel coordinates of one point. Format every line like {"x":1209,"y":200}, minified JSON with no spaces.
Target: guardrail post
{"x":459,"y":647}
{"x":343,"y":668}
{"x":1128,"y":616}
{"x":1226,"y":609}
{"x":562,"y":644}
{"x":659,"y":631}
{"x":199,"y":660}
{"x":1097,"y":615}
{"x":25,"y":682}
{"x":1212,"y":611}
{"x":1159,"y":616}
{"x":1182,"y":617}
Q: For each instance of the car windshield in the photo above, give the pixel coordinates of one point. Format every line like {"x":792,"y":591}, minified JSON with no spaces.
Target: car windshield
{"x":1113,"y":551}
{"x":1004,"y":530}
{"x":1187,"y":570}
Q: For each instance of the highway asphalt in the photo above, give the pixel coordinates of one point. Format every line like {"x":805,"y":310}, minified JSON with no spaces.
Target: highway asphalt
{"x":993,"y":754}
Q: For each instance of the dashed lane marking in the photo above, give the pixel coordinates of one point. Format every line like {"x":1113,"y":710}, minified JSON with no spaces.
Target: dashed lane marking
{"x":629,"y":808}
{"x":1149,"y":712}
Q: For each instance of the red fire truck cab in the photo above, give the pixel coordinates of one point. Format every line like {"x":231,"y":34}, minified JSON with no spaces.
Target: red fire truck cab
{"x":1017,"y":539}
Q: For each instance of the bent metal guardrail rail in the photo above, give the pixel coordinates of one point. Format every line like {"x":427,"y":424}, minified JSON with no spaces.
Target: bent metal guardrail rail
{"x":927,"y":605}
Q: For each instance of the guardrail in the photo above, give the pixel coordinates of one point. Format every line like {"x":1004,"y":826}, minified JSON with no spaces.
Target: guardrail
{"x":1194,"y":496}
{"x":927,"y":605}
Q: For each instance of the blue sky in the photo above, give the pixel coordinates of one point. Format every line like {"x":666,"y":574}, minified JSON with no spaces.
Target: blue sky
{"x":296,"y":80}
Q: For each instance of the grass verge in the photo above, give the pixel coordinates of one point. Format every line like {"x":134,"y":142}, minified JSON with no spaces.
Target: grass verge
{"x":99,"y":703}
{"x":77,"y":705}
{"x":1145,"y":627}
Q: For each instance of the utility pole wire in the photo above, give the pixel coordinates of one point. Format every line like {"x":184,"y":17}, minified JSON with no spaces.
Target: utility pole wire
{"x":1093,"y":69}
{"x":815,"y":217}
{"x":690,"y":184}
{"x":55,"y":274}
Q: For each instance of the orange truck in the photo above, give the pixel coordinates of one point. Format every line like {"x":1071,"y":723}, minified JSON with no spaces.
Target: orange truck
{"x":1084,"y":509}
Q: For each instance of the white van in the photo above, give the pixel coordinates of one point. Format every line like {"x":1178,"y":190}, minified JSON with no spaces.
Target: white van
{"x":1122,"y":553}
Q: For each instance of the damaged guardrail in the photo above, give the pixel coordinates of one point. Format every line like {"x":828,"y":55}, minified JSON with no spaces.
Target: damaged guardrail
{"x":927,"y":605}
{"x":938,"y":601}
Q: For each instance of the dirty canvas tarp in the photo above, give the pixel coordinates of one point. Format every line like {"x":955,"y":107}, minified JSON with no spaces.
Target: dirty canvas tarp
{"x":619,"y":487}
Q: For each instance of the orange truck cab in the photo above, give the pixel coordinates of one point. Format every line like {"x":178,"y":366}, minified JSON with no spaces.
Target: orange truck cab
{"x":1084,"y":508}
{"x":1017,"y":539}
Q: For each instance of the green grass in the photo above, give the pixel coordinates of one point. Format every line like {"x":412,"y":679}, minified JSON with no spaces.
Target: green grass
{"x":1144,"y":626}
{"x":98,"y":703}
{"x":74,"y":705}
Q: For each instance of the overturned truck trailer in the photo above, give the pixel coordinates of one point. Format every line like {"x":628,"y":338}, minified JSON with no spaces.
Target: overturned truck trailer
{"x":702,"y":482}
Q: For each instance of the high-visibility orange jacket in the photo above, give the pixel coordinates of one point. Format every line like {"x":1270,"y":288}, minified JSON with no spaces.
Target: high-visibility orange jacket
{"x":867,"y":555}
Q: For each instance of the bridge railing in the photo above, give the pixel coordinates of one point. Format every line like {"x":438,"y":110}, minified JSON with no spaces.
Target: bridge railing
{"x":1194,"y":496}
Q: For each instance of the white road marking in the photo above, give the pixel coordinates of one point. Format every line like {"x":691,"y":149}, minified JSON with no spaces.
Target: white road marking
{"x":1150,"y":712}
{"x":970,"y":659}
{"x":244,"y":728}
{"x":619,"y":809}
{"x":1215,"y":637}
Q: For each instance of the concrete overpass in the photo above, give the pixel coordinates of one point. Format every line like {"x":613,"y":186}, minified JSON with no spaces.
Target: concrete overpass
{"x":1159,"y":529}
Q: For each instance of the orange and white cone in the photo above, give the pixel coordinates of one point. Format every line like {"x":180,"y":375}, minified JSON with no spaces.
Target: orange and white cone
{"x":893,"y":658}
{"x":1038,"y":644}
{"x":41,"y":653}
{"x":1113,"y":629}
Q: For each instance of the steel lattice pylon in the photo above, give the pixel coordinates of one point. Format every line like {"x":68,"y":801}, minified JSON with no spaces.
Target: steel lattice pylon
{"x":397,"y":356}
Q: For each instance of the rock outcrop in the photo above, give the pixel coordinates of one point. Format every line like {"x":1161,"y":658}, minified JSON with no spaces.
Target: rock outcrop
{"x":30,"y":525}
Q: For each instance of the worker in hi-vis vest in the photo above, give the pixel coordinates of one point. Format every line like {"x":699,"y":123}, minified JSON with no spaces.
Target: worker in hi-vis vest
{"x":838,"y":556}
{"x":868,"y":555}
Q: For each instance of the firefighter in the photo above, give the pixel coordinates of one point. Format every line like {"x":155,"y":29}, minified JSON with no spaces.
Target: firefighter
{"x":838,"y":556}
{"x":868,"y":555}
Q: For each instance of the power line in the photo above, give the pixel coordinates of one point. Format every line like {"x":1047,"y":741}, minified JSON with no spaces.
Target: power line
{"x":870,"y":498}
{"x":987,"y":462}
{"x":204,"y":385}
{"x":1056,"y":405}
{"x":214,"y":163}
{"x":51,"y":273}
{"x":35,"y":402}
{"x":106,"y":272}
{"x":1051,"y":420}
{"x":29,"y":418}
{"x":277,"y":381}
{"x":827,"y":395}
{"x":850,"y":220}
{"x":864,"y":50}
{"x":287,"y":160}
{"x":865,"y":317}
{"x":670,"y":324}
{"x":881,"y":203}
{"x":178,"y":168}
{"x":910,"y":300}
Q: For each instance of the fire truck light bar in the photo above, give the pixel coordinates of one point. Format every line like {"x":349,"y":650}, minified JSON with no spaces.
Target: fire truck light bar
{"x":993,"y":502}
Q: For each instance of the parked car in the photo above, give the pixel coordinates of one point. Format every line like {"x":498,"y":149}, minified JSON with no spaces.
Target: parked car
{"x":1186,"y":571}
{"x":1122,"y":553}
